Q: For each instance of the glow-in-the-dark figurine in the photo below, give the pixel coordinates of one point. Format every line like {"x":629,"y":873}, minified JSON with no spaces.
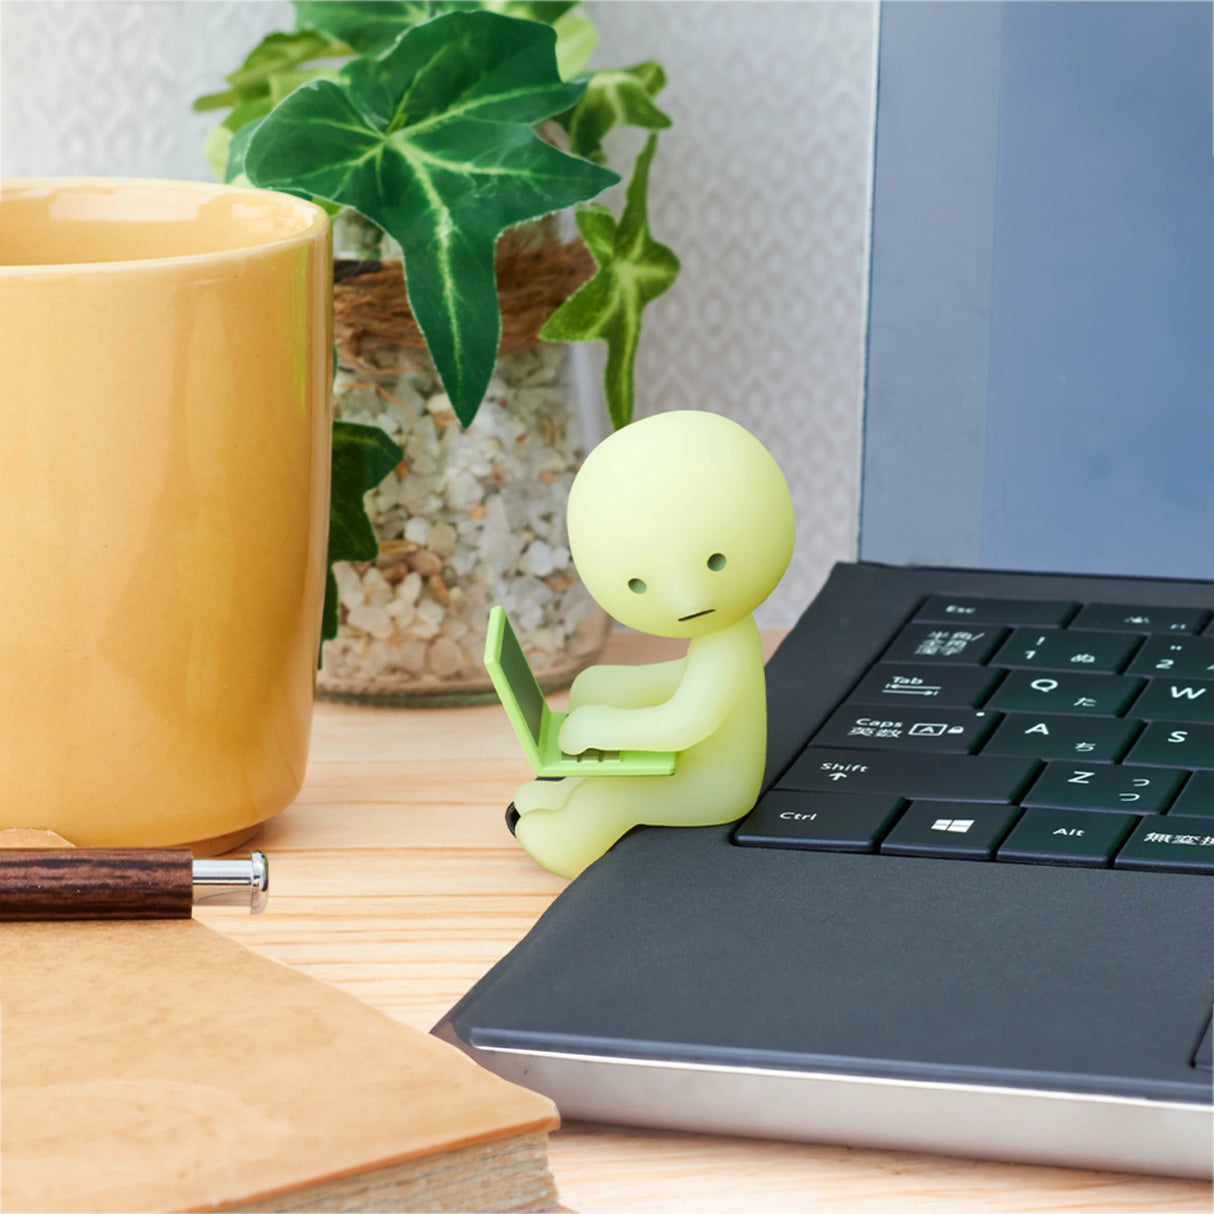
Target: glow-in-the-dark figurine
{"x":680,"y":525}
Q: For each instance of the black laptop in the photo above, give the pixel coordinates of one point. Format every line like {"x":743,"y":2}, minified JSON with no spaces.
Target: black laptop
{"x":972,"y":911}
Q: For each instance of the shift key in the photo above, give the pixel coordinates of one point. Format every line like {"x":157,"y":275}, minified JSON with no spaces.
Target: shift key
{"x":920,"y":777}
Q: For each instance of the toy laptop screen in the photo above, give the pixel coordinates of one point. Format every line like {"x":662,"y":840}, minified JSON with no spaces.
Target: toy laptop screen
{"x":1040,"y":385}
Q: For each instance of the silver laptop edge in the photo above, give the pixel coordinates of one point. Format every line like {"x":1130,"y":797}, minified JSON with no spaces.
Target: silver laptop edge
{"x":1019,"y":1125}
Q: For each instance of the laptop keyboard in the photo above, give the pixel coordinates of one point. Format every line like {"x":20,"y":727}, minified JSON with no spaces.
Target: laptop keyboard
{"x":1016,"y":730}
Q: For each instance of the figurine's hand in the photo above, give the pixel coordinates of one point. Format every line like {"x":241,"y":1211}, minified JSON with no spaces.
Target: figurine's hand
{"x":585,"y":728}
{"x":587,"y":688}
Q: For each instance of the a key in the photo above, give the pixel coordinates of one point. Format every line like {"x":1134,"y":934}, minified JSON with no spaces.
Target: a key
{"x":1176,"y":700}
{"x":1063,"y":836}
{"x":951,"y":730}
{"x":1089,"y":695}
{"x":954,"y":830}
{"x":1177,"y":657}
{"x":921,"y":776}
{"x":1112,"y":617}
{"x":1167,"y":845}
{"x":945,"y":685}
{"x":1105,"y":787}
{"x":966,"y":609}
{"x":1092,"y":652}
{"x":1096,"y":739}
{"x":936,"y":643}
{"x":1174,"y":744}
{"x":820,"y":821}
{"x":1196,"y":798}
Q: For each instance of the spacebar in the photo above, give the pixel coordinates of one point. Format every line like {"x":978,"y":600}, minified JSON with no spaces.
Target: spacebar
{"x":921,"y":777}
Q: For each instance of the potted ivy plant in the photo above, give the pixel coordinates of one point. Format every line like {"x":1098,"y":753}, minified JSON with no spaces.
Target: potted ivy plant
{"x":448,"y":140}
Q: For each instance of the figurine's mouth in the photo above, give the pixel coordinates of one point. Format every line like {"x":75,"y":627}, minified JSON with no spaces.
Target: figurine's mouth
{"x":695,"y":615}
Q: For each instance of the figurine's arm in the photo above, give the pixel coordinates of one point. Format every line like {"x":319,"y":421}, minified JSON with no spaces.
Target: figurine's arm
{"x":706,"y":693}
{"x":627,"y":686}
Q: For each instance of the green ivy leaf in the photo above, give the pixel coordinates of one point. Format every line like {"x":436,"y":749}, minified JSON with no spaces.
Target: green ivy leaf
{"x":234,"y":172}
{"x":369,"y":26}
{"x":633,"y":270}
{"x":615,"y":98}
{"x":362,"y":457}
{"x":433,"y":141}
{"x":575,"y":40}
{"x":272,"y":56}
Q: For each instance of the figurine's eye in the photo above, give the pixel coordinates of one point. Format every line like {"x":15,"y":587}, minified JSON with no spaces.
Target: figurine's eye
{"x":716,"y":562}
{"x":636,"y":585}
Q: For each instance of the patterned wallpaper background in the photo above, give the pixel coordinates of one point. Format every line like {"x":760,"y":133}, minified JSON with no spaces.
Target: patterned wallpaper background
{"x":762,"y":187}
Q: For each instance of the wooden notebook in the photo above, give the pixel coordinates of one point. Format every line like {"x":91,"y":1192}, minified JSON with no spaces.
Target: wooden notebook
{"x":161,"y":1066}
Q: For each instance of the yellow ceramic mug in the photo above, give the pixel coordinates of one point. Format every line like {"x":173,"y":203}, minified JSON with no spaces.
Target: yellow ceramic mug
{"x":165,"y":422}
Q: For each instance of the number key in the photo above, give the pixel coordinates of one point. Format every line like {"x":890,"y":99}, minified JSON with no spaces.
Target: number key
{"x":1180,"y":657}
{"x":1107,"y":652}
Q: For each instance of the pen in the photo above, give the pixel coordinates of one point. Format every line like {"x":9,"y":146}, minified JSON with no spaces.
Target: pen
{"x":109,"y":883}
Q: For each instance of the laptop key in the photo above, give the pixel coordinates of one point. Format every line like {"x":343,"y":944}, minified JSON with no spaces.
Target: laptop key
{"x":953,"y":730}
{"x":952,"y":830}
{"x":1100,"y":695}
{"x":967,"y":609}
{"x":925,"y":777}
{"x":1196,"y":798}
{"x":1104,"y":652}
{"x":1176,"y":700}
{"x":1174,"y":744}
{"x":1048,"y":736}
{"x":948,"y":686}
{"x":823,"y":821}
{"x":1111,"y":617}
{"x":591,"y":756}
{"x":1160,"y":844}
{"x":934,"y":644}
{"x":1104,"y":786}
{"x":1063,"y":836}
{"x":1179,"y":657}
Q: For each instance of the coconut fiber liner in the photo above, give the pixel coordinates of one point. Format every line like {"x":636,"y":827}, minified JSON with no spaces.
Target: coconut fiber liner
{"x":369,"y":298}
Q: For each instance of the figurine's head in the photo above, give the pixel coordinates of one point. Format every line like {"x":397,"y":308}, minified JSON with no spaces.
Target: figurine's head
{"x":680,"y":524}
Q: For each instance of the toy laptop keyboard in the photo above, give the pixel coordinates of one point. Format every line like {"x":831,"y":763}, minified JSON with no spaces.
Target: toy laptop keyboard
{"x":1022,"y":730}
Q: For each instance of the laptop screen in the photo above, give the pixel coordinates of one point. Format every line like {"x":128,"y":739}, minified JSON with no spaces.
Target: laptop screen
{"x":522,"y":682}
{"x":1040,"y":386}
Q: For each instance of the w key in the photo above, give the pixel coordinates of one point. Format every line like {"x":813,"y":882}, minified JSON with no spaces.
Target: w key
{"x":1176,"y":700}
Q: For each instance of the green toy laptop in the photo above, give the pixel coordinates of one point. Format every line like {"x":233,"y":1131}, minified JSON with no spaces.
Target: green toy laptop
{"x":538,"y":727}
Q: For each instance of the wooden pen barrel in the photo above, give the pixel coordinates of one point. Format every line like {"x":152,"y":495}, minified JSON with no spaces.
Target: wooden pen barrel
{"x":96,"y":884}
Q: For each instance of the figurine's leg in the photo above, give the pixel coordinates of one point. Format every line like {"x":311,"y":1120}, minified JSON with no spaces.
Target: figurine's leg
{"x":545,"y":794}
{"x":597,"y":813}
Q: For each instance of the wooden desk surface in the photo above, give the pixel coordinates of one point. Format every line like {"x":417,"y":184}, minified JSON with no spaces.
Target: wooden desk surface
{"x":393,"y":877}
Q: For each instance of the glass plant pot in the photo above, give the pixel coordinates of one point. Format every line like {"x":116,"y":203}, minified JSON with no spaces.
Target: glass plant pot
{"x":469,"y":518}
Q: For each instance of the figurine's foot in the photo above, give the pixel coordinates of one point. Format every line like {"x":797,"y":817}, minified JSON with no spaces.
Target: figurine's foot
{"x":545,"y":794}
{"x":512,"y":817}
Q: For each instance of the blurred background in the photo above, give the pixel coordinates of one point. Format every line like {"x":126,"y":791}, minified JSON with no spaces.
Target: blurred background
{"x":762,"y":188}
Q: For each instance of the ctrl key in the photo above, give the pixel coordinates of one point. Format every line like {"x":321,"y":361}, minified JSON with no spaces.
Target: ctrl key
{"x":818,"y":821}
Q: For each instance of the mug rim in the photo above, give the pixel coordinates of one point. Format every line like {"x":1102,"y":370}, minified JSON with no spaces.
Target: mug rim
{"x":317,"y":224}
